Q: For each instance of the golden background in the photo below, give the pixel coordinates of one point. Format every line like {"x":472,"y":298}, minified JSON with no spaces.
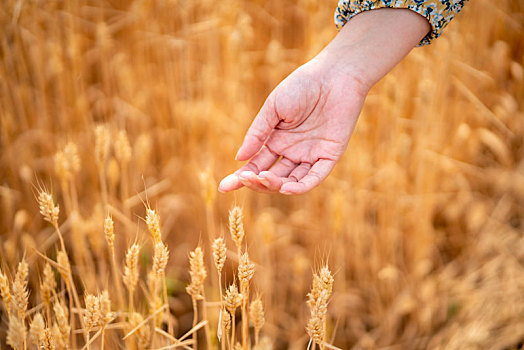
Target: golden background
{"x":421,"y":221}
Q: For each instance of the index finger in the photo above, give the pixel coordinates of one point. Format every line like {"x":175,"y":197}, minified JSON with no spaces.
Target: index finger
{"x":257,"y":134}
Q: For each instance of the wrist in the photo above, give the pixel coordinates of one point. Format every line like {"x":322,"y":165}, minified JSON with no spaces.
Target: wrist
{"x":370,"y":45}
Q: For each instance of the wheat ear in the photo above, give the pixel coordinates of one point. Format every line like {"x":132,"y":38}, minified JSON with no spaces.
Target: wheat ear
{"x":317,"y":301}
{"x":102,"y":148}
{"x":131,"y":272}
{"x":236,"y":227}
{"x":256,"y":314}
{"x":143,"y":333}
{"x":219,"y":257}
{"x":16,"y":333}
{"x":64,"y":328}
{"x":91,"y":314}
{"x":160,"y":259}
{"x":246,"y":270}
{"x":47,"y":288}
{"x":198,"y":273}
{"x":123,"y":155}
{"x":20,"y":293}
{"x":5,"y":292}
{"x":48,"y":340}
{"x":104,"y":313}
{"x":36,"y":330}
{"x":109,"y":233}
{"x":232,"y":300}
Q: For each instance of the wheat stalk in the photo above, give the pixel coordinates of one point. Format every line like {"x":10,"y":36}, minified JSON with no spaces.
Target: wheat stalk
{"x":65,"y":271}
{"x":50,"y":213}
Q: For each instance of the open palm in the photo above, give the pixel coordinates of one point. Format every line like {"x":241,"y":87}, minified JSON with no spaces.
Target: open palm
{"x":305,"y":124}
{"x":299,"y":134}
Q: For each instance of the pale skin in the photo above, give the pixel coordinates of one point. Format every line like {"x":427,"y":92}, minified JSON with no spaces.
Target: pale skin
{"x":305,"y":124}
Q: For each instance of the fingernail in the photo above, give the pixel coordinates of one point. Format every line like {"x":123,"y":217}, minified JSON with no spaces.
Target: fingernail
{"x":285,"y":192}
{"x":246,"y":174}
{"x":227,"y":182}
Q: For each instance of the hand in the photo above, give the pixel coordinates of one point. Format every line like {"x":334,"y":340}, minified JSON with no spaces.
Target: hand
{"x":305,"y":124}
{"x":300,"y":133}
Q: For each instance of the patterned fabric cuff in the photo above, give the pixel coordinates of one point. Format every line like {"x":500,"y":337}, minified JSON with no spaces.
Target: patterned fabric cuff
{"x":438,"y":12}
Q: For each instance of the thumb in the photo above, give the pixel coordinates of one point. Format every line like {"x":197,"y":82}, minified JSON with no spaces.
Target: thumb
{"x":264,"y":123}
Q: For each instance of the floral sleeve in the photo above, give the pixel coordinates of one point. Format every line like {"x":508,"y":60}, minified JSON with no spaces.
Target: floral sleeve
{"x":438,"y":12}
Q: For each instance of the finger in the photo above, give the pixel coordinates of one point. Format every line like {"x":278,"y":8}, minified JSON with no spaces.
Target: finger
{"x":283,"y":168}
{"x":251,"y":181}
{"x":271,"y":181}
{"x":262,"y":161}
{"x":230,"y":183}
{"x":258,"y":132}
{"x":319,"y":171}
{"x":299,"y":172}
{"x":273,"y":178}
{"x":246,"y":178}
{"x":274,"y":182}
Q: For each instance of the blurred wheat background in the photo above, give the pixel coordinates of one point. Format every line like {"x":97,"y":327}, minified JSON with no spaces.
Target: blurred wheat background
{"x":421,"y":223}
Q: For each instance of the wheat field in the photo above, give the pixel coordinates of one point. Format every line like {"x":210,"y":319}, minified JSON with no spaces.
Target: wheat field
{"x":118,"y":119}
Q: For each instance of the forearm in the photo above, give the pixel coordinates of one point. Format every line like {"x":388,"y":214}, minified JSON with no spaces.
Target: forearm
{"x":372,"y":43}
